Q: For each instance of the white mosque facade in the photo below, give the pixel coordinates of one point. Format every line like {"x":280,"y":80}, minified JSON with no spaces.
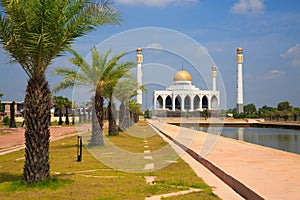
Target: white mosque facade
{"x":182,"y":95}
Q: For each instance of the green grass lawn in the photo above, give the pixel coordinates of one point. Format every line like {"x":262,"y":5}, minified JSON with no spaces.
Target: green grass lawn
{"x":90,"y":179}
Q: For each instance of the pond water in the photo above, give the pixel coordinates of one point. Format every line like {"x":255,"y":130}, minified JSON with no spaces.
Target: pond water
{"x":282,"y":139}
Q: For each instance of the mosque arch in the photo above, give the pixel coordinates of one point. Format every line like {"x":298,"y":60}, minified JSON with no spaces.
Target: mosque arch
{"x":205,"y":102}
{"x":187,"y":103}
{"x":159,"y":102}
{"x":196,"y":102}
{"x":214,"y":102}
{"x":178,"y":102}
{"x":169,"y":103}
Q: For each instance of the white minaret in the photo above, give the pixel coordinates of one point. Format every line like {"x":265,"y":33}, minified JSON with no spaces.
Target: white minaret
{"x":214,"y":74}
{"x":239,"y":103}
{"x":139,"y":60}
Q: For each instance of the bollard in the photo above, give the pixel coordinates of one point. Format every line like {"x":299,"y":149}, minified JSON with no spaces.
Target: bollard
{"x":79,"y":149}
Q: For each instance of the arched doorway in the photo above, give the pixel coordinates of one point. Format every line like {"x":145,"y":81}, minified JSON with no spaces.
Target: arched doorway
{"x":159,"y":102}
{"x":196,"y":102}
{"x":169,"y":103}
{"x":204,"y":102}
{"x":214,"y":103}
{"x":187,"y":102}
{"x":178,"y":103}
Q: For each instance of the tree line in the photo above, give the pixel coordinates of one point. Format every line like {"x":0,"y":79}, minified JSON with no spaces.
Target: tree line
{"x":283,"y":111}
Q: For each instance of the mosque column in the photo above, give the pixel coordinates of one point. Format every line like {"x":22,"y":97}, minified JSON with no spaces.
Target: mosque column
{"x":200,"y":102}
{"x":173,"y":102}
{"x":154,"y":100}
{"x":182,"y":102}
{"x":164,"y":101}
{"x":209,"y":102}
{"x":192,"y":102}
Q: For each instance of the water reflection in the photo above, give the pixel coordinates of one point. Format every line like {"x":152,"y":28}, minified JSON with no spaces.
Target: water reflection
{"x":282,"y":139}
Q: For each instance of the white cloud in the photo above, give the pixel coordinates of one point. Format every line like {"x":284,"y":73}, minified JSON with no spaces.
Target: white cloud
{"x":218,"y":49}
{"x":292,"y":55}
{"x":157,"y":3}
{"x":274,"y":74}
{"x":248,"y":7}
{"x":154,"y":46}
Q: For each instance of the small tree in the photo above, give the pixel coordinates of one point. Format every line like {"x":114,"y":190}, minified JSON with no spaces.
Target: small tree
{"x":285,"y":105}
{"x":1,"y":107}
{"x":12,"y":123}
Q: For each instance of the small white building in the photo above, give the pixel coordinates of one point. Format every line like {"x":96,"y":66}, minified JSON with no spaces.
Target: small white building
{"x":183,"y":96}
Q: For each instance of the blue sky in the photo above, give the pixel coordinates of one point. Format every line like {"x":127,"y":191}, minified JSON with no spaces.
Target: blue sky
{"x":267,"y":30}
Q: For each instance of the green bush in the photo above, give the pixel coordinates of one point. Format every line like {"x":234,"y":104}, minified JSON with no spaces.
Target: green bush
{"x":6,"y":120}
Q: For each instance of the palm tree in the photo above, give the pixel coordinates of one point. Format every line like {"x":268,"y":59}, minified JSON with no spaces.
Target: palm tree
{"x":34,"y":33}
{"x":67,"y":106}
{"x":102,"y":73}
{"x":124,"y":91}
{"x":135,"y":110}
{"x":109,"y":92}
{"x":59,"y":103}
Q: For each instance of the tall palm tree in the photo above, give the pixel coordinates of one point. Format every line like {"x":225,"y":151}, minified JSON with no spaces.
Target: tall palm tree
{"x":109,"y":92}
{"x":104,"y":72}
{"x":125,"y":90}
{"x":34,"y":33}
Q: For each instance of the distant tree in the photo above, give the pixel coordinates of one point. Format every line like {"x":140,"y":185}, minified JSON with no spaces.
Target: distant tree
{"x":249,"y":109}
{"x":135,"y":110}
{"x":285,"y":105}
{"x":67,"y":105}
{"x":12,"y":123}
{"x":295,"y":113}
{"x":205,"y":113}
{"x":59,"y":103}
{"x":1,"y":107}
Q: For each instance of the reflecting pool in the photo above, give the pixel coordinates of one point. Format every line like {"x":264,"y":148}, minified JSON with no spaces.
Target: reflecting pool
{"x":282,"y":139}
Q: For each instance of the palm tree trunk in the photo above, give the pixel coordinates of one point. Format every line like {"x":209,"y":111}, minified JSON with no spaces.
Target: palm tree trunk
{"x":97,"y":121}
{"x":112,"y":125}
{"x":97,"y":137}
{"x":99,"y":101}
{"x":122,"y":118}
{"x":67,"y":122}
{"x":73,"y":116}
{"x":60,"y":122}
{"x":79,"y":116}
{"x":37,"y":107}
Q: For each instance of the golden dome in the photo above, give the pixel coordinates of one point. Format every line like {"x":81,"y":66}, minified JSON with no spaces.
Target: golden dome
{"x":139,"y":49}
{"x":239,"y":49}
{"x":182,"y":76}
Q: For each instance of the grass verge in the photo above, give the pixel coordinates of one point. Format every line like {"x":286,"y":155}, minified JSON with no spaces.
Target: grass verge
{"x":91,"y":179}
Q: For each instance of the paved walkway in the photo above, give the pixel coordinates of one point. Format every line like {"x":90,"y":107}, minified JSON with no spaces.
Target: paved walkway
{"x":270,"y":173}
{"x":14,"y":139}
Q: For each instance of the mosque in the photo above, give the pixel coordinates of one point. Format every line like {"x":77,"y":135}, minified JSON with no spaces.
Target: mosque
{"x":182,"y":95}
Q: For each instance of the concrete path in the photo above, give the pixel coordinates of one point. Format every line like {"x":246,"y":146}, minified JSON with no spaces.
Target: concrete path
{"x":270,"y":173}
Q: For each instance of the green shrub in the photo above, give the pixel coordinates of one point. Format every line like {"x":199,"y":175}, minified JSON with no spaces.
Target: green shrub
{"x":6,"y":120}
